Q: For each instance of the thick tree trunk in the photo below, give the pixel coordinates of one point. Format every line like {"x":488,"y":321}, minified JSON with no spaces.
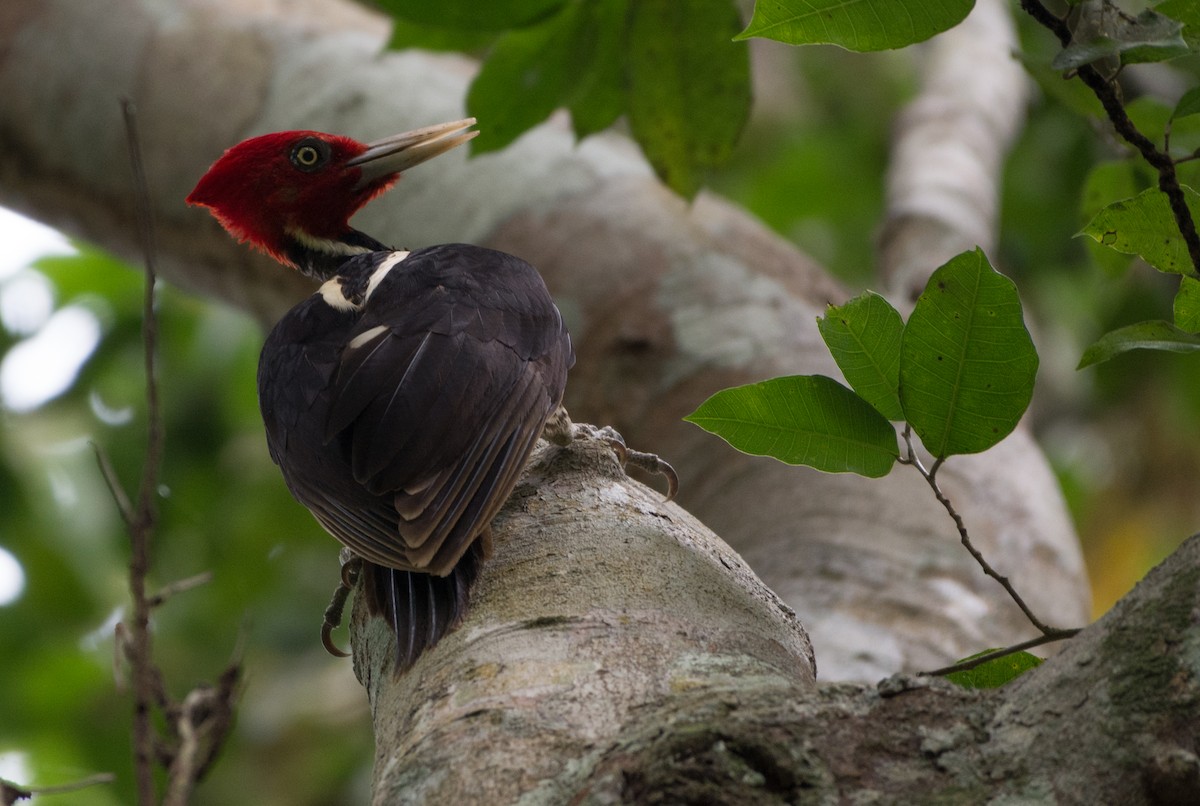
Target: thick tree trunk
{"x":667,"y":302}
{"x":603,"y":611}
{"x":569,"y":683}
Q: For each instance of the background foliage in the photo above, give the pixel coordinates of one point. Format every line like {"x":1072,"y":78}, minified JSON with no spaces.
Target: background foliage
{"x":1124,"y":435}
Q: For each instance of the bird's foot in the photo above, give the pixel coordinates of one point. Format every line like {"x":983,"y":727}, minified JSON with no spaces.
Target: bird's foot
{"x":560,"y":430}
{"x":351,"y":565}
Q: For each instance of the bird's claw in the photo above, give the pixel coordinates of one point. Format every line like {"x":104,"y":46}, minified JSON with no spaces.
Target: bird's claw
{"x":560,"y":430}
{"x":333,"y":613}
{"x":651,"y":463}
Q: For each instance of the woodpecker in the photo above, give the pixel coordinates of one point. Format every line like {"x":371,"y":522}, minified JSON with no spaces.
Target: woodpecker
{"x":403,"y":398}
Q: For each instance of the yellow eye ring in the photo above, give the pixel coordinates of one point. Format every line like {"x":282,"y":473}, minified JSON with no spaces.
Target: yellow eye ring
{"x":310,"y":154}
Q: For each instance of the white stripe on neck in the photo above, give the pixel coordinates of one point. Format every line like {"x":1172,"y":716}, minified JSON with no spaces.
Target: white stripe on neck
{"x":386,"y":266}
{"x":331,"y":292}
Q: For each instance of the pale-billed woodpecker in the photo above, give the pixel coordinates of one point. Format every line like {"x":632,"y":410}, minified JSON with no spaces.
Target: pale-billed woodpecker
{"x":403,"y":398}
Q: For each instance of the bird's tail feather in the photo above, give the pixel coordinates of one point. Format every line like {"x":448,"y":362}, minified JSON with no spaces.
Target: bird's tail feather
{"x":422,"y":608}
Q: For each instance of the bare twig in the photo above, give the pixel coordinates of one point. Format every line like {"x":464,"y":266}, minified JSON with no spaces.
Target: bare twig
{"x":201,"y":723}
{"x":1108,"y":93}
{"x":979,"y":660}
{"x":218,"y":718}
{"x":183,"y":767}
{"x":10,"y":793}
{"x":930,"y":476}
{"x":124,"y":505}
{"x":180,"y":586}
{"x":144,"y":512}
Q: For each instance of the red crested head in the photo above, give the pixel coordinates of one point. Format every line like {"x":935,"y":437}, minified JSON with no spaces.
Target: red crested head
{"x":299,"y":189}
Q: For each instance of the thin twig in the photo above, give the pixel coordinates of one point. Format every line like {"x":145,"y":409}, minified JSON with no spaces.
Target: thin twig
{"x":930,"y":476}
{"x":12,"y":793}
{"x":124,"y":505}
{"x":183,"y":768}
{"x":143,"y":522}
{"x":219,"y":718}
{"x":1108,"y":93}
{"x":180,"y":586}
{"x":201,"y":723}
{"x":979,"y":660}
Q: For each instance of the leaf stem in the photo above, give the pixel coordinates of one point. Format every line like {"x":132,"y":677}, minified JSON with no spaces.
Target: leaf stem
{"x":930,"y":476}
{"x":979,"y":660}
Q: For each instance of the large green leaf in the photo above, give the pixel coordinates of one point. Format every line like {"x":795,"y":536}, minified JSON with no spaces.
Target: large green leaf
{"x":864,"y":337}
{"x":860,"y":25}
{"x":689,"y":86}
{"x":530,"y":73}
{"x":1145,"y":226}
{"x":600,"y":97}
{"x":967,"y":363}
{"x":1154,"y":335}
{"x":493,"y":15}
{"x":802,"y":420}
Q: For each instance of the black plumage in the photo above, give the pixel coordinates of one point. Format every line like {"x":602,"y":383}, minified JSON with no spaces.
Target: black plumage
{"x":401,"y":410}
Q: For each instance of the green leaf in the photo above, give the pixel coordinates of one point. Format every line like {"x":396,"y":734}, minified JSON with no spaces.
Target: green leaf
{"x":689,"y":86}
{"x":530,"y":73}
{"x":1189,"y":104}
{"x":600,"y":97}
{"x":995,"y":673}
{"x":1153,"y":335}
{"x":1108,"y":181}
{"x":864,"y":337}
{"x":469,"y":15}
{"x":802,"y":420}
{"x":1187,"y":305}
{"x":967,"y":363}
{"x":1105,"y":183}
{"x":408,"y":34}
{"x":1144,"y":226}
{"x":860,"y":25}
{"x":1105,"y":31}
{"x":1187,"y":12}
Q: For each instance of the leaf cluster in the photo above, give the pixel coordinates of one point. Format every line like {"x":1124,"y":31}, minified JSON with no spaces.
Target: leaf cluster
{"x":671,"y":69}
{"x":960,"y":372}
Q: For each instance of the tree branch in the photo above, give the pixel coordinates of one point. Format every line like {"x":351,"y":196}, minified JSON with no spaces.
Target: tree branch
{"x":144,"y":511}
{"x":1108,"y":93}
{"x":930,"y":476}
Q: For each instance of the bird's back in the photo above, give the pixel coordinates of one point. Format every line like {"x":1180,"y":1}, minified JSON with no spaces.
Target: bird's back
{"x":401,"y":403}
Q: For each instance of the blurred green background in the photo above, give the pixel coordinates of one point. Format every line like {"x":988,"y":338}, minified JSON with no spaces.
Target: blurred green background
{"x":1124,"y":438}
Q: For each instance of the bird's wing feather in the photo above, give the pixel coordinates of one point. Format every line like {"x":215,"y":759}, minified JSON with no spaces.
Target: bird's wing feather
{"x":438,"y":395}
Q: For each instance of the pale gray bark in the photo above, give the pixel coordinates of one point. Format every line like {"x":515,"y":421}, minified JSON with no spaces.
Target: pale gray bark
{"x":667,"y":302}
{"x":602,"y":609}
{"x":943,"y":184}
{"x":569,"y":684}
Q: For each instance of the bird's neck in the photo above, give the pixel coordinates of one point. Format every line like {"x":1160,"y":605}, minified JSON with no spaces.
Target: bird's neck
{"x":321,"y":258}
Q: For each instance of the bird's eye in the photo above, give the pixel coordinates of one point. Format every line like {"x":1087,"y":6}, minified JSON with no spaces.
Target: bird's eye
{"x":310,"y":154}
